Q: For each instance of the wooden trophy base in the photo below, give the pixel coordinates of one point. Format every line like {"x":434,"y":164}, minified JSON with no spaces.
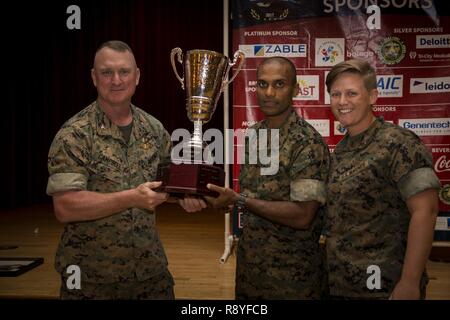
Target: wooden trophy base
{"x":181,"y":179}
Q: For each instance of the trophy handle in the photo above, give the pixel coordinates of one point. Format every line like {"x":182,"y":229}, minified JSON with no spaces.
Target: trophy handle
{"x":179,"y":53}
{"x":237,"y":55}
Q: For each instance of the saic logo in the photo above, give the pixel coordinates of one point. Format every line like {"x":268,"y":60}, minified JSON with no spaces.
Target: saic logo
{"x":390,"y":86}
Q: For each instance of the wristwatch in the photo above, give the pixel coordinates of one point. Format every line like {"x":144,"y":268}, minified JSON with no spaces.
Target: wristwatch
{"x":241,"y":202}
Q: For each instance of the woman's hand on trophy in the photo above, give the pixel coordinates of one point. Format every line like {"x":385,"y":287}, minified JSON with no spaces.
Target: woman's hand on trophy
{"x":226,"y":199}
{"x":192,"y":204}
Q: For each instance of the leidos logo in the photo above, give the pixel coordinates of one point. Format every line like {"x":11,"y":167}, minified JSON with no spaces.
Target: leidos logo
{"x":271,"y":50}
{"x":429,"y":85}
{"x":309,"y":87}
{"x":390,"y":86}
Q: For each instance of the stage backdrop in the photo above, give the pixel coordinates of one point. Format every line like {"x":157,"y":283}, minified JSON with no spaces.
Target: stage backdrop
{"x":47,"y":63}
{"x":407,"y":41}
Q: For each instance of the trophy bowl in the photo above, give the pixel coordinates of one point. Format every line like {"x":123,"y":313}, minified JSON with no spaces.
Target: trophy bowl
{"x":205,"y":75}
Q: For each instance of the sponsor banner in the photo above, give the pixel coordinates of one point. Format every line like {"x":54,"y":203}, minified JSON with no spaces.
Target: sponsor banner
{"x":429,"y":85}
{"x":309,"y":87}
{"x":321,"y":125}
{"x":391,"y":50}
{"x":390,"y":86}
{"x":329,"y":51}
{"x":441,"y":160}
{"x":427,"y":127}
{"x":443,"y":224}
{"x":433,"y":41}
{"x":339,"y":130}
{"x":272,"y":50}
{"x":411,"y":58}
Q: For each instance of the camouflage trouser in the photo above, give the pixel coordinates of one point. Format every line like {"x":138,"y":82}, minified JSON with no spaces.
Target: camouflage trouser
{"x":423,"y":295}
{"x":159,"y":287}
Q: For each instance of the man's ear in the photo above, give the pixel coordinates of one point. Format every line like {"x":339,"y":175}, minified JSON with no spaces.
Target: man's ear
{"x":94,"y":80}
{"x":138,"y":75}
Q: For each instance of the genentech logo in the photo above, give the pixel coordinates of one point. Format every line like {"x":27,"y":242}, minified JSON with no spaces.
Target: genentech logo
{"x":295,"y":50}
{"x":427,"y":127}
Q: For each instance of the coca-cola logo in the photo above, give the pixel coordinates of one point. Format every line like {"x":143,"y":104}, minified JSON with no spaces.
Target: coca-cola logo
{"x":442,"y":164}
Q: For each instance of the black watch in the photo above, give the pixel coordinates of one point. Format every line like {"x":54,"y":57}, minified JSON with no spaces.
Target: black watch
{"x":241,"y":202}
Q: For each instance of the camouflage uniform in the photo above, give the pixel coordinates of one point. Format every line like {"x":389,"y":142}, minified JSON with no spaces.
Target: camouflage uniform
{"x":371,"y":176}
{"x":90,"y":153}
{"x":276,"y":261}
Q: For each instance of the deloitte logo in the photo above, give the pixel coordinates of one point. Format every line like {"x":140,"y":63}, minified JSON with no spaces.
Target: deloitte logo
{"x":429,"y":85}
{"x":392,"y":50}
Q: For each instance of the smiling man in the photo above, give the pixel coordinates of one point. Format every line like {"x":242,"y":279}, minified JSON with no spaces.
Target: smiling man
{"x":278,"y":255}
{"x":102,"y":166}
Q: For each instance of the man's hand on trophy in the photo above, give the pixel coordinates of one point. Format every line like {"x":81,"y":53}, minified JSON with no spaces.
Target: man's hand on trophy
{"x":146,"y":198}
{"x":192,"y":204}
{"x":226,"y":199}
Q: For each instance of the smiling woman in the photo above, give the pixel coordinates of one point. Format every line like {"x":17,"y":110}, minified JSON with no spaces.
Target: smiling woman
{"x":381,"y":193}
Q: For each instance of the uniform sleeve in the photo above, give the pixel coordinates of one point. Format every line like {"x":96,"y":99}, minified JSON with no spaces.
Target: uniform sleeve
{"x":166,"y":147}
{"x":411,"y":168}
{"x":308,"y":173}
{"x":67,"y":160}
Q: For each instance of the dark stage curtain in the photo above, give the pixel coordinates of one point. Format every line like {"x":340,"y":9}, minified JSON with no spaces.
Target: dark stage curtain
{"x":46,"y":71}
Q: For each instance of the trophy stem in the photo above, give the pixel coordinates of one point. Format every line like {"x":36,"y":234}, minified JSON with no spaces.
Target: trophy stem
{"x":197,"y":135}
{"x":195,"y":144}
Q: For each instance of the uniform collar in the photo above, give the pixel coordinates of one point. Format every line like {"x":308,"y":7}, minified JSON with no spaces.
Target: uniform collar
{"x":107,"y":128}
{"x":291,"y":118}
{"x":283,"y":132}
{"x":361,"y":140}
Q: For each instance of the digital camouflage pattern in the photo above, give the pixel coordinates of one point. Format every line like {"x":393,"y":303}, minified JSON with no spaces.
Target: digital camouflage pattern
{"x":89,"y":153}
{"x":275,"y":261}
{"x":159,"y":287}
{"x":371,"y":176}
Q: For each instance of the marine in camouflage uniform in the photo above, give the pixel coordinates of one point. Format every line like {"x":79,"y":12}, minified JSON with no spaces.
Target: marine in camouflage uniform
{"x":276,"y":261}
{"x":90,"y":153}
{"x":371,"y":177}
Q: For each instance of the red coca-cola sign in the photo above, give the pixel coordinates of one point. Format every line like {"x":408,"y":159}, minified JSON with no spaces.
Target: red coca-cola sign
{"x":442,"y":164}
